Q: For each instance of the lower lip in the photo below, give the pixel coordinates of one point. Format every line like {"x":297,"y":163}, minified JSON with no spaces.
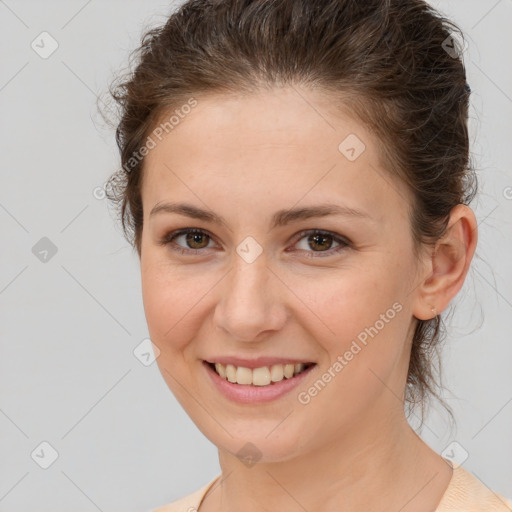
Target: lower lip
{"x":250,"y":394}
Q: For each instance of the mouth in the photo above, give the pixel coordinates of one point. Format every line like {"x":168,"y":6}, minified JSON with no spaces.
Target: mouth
{"x":261,"y":376}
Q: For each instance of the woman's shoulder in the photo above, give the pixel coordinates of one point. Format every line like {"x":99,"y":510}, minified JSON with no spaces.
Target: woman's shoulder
{"x":190,"y":502}
{"x":466,"y":493}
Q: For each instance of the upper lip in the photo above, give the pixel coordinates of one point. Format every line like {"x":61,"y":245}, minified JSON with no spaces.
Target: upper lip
{"x":256,"y":362}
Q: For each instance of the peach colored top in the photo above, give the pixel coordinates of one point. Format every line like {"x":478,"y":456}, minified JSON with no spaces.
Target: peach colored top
{"x":465,"y":493}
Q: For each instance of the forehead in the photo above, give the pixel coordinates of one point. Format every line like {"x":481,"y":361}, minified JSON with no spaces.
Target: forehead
{"x":284,"y":145}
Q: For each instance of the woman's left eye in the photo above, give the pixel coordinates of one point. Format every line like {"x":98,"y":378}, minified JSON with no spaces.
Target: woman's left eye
{"x":322,"y":240}
{"x":198,"y":239}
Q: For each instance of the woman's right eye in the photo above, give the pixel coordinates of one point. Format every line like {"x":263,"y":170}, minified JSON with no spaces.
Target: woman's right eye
{"x":193,"y":238}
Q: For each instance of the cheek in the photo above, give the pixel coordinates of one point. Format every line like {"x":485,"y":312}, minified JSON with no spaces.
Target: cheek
{"x":159,"y":295}
{"x":173,"y":301}
{"x":346,"y":302}
{"x":360,"y":320}
{"x":172,"y":306}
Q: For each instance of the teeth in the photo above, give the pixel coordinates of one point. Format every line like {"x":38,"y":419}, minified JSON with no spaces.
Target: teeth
{"x":221,"y":370}
{"x":230,"y":373}
{"x":262,"y":376}
{"x":276,"y":372}
{"x":243,"y":375}
{"x":288,"y":370}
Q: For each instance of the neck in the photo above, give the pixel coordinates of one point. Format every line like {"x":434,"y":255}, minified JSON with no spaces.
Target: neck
{"x":384,"y":467}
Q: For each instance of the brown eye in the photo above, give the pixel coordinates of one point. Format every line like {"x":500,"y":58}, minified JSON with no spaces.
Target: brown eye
{"x":193,"y":241}
{"x":320,"y":242}
{"x":315,"y":241}
{"x":196,"y":240}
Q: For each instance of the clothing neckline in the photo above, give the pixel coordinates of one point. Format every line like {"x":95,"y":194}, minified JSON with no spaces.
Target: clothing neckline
{"x":446,"y":492}
{"x":455,"y":472}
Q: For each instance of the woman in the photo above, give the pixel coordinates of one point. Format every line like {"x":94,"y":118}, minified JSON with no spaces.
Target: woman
{"x":296,"y":181}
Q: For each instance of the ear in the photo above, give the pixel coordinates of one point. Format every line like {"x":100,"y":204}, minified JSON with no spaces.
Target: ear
{"x":448,"y":265}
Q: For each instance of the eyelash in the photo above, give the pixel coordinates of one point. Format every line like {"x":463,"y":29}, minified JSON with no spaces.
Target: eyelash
{"x":170,"y":237}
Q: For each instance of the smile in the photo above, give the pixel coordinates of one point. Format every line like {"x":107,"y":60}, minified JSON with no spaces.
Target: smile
{"x":262,"y":376}
{"x":256,"y":385}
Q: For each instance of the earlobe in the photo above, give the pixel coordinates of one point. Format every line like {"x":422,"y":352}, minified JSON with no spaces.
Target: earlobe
{"x":450,"y":261}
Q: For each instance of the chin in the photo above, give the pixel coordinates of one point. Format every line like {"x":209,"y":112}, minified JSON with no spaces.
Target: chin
{"x":254,"y":443}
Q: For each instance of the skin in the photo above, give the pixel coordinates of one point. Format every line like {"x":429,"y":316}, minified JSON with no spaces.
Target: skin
{"x":244,"y":158}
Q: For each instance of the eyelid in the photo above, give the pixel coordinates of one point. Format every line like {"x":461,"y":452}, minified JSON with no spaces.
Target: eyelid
{"x":316,"y":231}
{"x":169,"y":238}
{"x":344,"y":242}
{"x":341,"y":240}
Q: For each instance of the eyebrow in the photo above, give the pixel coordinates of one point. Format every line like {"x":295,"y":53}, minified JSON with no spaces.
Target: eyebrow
{"x":280,"y":218}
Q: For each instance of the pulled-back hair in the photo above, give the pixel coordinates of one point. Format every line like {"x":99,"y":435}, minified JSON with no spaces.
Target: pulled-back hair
{"x":394,"y":64}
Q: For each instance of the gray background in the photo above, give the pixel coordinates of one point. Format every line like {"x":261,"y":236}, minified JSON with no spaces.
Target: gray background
{"x":69,"y":325}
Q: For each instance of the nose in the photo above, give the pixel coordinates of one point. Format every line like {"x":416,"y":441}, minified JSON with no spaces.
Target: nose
{"x":252,"y":301}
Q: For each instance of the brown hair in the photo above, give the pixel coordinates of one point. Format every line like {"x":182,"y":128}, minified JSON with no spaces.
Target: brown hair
{"x":392,"y":63}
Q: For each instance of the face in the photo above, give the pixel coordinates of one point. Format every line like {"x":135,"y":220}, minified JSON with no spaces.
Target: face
{"x":257,"y":282}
